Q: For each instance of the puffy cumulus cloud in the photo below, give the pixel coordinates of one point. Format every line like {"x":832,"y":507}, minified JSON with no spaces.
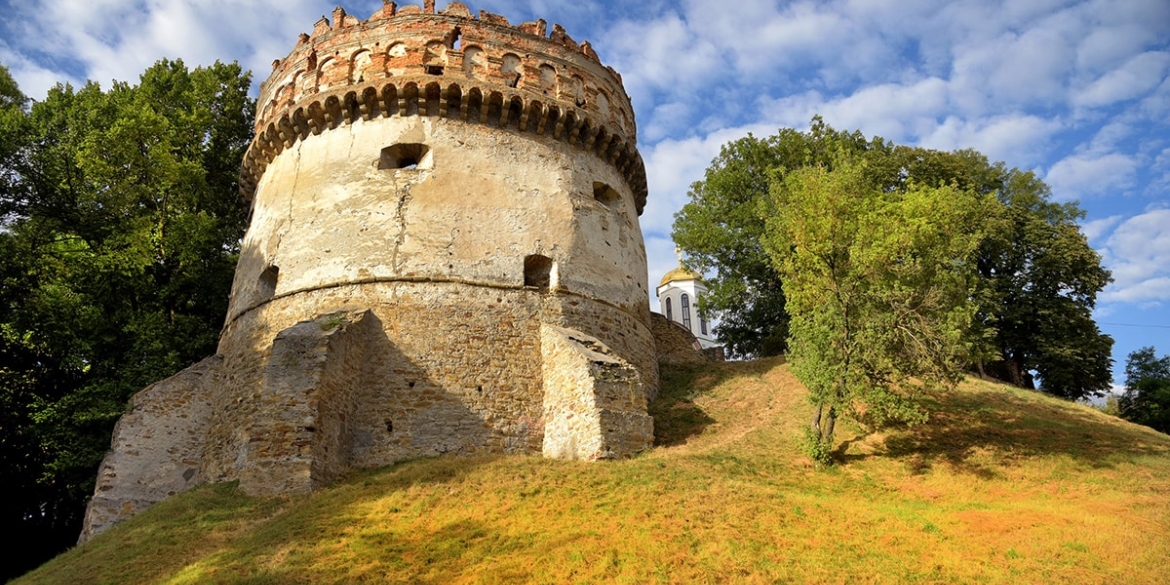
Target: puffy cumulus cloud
{"x":1098,"y":227}
{"x":1121,"y":29}
{"x":1088,"y":175}
{"x":1019,"y":140}
{"x":918,"y":112}
{"x":760,"y":35}
{"x":660,"y":259}
{"x":1156,"y":105}
{"x":1015,"y":69}
{"x":34,"y":80}
{"x":1135,"y":78}
{"x":661,"y":57}
{"x":662,"y":119}
{"x":673,"y":165}
{"x":896,"y":111}
{"x":118,"y":39}
{"x":1159,"y":183}
{"x":1138,"y":253}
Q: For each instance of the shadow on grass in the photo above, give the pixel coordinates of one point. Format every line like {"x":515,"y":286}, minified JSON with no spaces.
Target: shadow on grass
{"x":1008,"y":424}
{"x":676,"y":416}
{"x":399,"y":541}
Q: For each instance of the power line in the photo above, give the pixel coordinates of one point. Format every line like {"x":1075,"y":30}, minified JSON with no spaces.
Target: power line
{"x":1135,"y":325}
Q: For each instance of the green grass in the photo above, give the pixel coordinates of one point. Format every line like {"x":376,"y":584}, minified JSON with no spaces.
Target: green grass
{"x":1001,"y":486}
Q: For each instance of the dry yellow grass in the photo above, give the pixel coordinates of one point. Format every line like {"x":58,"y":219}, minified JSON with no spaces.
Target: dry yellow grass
{"x":1001,"y":486}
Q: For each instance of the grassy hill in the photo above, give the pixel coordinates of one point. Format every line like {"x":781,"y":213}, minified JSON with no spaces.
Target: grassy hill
{"x":1001,"y":486}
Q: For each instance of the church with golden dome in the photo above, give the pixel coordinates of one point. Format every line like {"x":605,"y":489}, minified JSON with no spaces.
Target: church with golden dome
{"x":678,"y":300}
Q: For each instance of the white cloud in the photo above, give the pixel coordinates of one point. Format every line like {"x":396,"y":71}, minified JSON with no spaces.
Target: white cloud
{"x":117,"y":39}
{"x":1017,"y":139}
{"x":1135,"y":78}
{"x":33,"y":79}
{"x":671,"y":167}
{"x":1138,"y":253}
{"x":664,"y":55}
{"x":1087,"y":175}
{"x":1099,"y":227}
{"x":895,"y":111}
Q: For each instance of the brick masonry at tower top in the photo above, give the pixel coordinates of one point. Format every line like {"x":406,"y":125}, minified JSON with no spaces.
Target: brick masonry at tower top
{"x":412,"y":60}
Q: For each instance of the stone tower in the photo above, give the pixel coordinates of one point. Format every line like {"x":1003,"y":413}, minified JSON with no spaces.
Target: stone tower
{"x":443,"y":256}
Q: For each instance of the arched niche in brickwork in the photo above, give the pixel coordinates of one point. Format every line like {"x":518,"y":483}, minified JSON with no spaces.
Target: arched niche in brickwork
{"x":454,"y":98}
{"x":396,"y":57}
{"x":510,"y":69}
{"x":301,"y":84}
{"x":548,"y":79}
{"x":474,"y":104}
{"x":332,"y":72}
{"x":474,"y":62}
{"x":578,"y":91}
{"x":435,"y":57}
{"x":360,"y":65}
{"x":266,"y":112}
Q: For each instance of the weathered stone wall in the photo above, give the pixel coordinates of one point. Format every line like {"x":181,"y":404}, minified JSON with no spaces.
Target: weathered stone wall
{"x":674,"y":343}
{"x":156,"y":449}
{"x":453,"y":368}
{"x":325,"y":214}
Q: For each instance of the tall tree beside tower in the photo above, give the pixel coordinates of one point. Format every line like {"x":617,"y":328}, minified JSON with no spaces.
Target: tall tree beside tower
{"x":121,"y":225}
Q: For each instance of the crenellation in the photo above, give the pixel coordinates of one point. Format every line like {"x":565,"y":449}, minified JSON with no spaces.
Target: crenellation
{"x":486,"y":33}
{"x":534,"y":27}
{"x":321,"y":28}
{"x":561,"y":37}
{"x":457,"y":9}
{"x":490,"y":18}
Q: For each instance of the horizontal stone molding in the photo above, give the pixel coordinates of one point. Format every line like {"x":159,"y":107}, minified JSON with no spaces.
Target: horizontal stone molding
{"x":424,"y":279}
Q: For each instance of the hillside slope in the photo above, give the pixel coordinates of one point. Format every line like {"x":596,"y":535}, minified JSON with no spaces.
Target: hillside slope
{"x":1002,"y":485}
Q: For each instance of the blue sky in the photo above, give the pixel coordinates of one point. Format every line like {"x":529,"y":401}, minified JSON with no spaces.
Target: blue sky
{"x":1077,"y":91}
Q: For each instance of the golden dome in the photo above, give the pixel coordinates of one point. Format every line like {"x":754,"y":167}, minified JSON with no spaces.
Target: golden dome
{"x":679,"y":273}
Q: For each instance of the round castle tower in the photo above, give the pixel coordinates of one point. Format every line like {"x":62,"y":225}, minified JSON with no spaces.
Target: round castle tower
{"x":475,"y":186}
{"x":443,"y":256}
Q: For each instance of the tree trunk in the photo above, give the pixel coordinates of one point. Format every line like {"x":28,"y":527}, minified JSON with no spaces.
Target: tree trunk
{"x":827,"y":431}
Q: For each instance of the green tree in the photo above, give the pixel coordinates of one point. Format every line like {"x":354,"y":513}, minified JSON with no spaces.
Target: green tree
{"x":878,"y":285}
{"x":1039,"y":280}
{"x":1042,"y":279}
{"x":122,"y":220}
{"x":720,"y":232}
{"x":1146,"y":400}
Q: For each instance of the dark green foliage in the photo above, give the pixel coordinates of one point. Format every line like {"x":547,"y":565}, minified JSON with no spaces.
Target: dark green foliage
{"x":122,"y":221}
{"x":1039,"y":279}
{"x":1042,"y":280}
{"x":1147,"y":390}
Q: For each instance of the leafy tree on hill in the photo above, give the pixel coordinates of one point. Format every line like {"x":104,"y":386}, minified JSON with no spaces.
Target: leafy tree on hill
{"x":1147,"y":390}
{"x":1039,"y":277}
{"x":121,"y":223}
{"x":721,"y":229}
{"x":878,"y":285}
